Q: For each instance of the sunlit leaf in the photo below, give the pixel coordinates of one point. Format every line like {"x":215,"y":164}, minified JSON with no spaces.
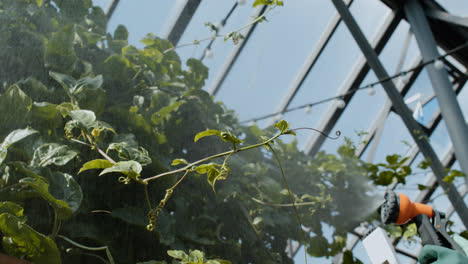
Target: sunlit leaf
{"x":13,"y":137}
{"x":85,"y":118}
{"x":65,"y":109}
{"x":96,"y":164}
{"x":11,"y":208}
{"x":206,"y":134}
{"x":282,"y":125}
{"x":228,"y":137}
{"x":21,"y":240}
{"x":68,"y":82}
{"x":129,"y":153}
{"x":179,"y":161}
{"x":130,"y":168}
{"x":178,"y":254}
{"x":53,"y":153}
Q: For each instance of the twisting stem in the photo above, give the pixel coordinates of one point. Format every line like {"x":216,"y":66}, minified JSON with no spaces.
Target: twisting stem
{"x":292,"y":201}
{"x":180,"y":180}
{"x":196,"y":42}
{"x":189,"y":166}
{"x":94,"y":144}
{"x":337,"y":133}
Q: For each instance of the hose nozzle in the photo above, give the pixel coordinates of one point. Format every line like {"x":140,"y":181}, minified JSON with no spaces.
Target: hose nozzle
{"x":399,"y":209}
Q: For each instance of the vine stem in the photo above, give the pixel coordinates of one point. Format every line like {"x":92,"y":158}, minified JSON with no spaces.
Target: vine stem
{"x":76,"y":244}
{"x":179,"y":181}
{"x":145,"y":186}
{"x":189,"y":166}
{"x":55,"y":227}
{"x":292,"y":201}
{"x":282,"y":205}
{"x":94,"y":144}
{"x":196,"y":42}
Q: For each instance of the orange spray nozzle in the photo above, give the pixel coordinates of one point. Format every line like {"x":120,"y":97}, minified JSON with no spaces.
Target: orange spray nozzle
{"x":408,"y":210}
{"x":399,"y":209}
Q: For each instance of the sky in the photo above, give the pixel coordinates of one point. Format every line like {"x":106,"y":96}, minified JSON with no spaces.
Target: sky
{"x":276,"y":53}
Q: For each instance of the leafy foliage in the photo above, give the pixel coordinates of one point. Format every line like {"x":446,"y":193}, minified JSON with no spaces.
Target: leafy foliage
{"x":78,"y":102}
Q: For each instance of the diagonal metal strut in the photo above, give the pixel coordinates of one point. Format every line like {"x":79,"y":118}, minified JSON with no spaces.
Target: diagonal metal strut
{"x":400,"y":107}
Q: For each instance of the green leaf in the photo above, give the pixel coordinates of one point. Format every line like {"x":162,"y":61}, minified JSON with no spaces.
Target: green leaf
{"x":411,"y":231}
{"x":47,"y":114}
{"x":39,"y":2}
{"x":14,"y":106}
{"x":85,"y":118}
{"x":179,"y":161}
{"x":392,"y":159}
{"x":422,"y":187}
{"x":424,"y":164}
{"x":11,"y":208}
{"x":53,"y":153}
{"x":91,"y":99}
{"x":129,"y":153}
{"x":96,"y":164}
{"x":262,"y":2}
{"x":152,"y":262}
{"x":164,"y":112}
{"x":60,"y":53}
{"x":282,"y":125}
{"x":65,"y":108}
{"x":68,"y":83}
{"x":178,"y":254}
{"x":64,"y":187}
{"x":228,"y":137}
{"x":21,"y":240}
{"x":121,"y":33}
{"x":204,"y":168}
{"x":206,"y":134}
{"x":214,"y":175}
{"x":13,"y":137}
{"x":41,"y":187}
{"x":132,"y":215}
{"x":130,"y":168}
{"x":257,"y":220}
{"x":89,"y":82}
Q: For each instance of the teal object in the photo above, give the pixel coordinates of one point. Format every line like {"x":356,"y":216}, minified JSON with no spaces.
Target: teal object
{"x":463,"y":243}
{"x":440,"y":255}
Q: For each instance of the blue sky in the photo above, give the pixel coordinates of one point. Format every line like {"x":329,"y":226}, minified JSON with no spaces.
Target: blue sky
{"x":277,"y":51}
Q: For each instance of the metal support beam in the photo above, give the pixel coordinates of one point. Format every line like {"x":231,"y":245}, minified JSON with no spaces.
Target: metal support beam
{"x":111,"y":8}
{"x":227,"y":66}
{"x":309,"y":63}
{"x":431,"y":183}
{"x":181,"y":20}
{"x":379,"y":121}
{"x":360,"y":70}
{"x":446,"y":17}
{"x":450,"y":109}
{"x":400,"y":107}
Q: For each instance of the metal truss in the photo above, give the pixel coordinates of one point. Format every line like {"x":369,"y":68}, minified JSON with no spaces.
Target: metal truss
{"x":231,"y":59}
{"x":355,"y":78}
